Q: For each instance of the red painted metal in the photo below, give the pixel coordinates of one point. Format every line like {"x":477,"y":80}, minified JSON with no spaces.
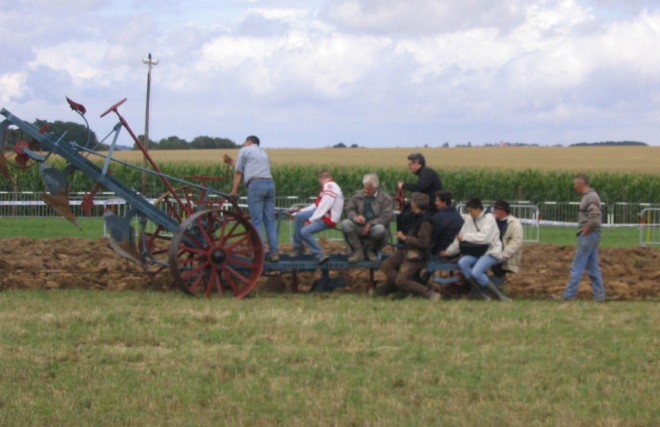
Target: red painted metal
{"x":216,"y":251}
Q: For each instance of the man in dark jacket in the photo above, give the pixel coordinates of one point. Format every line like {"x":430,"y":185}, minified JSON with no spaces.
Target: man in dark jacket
{"x":404,"y":266}
{"x":428,"y":182}
{"x":447,"y":222}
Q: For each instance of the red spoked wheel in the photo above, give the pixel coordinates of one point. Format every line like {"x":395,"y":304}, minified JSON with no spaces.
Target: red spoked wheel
{"x":216,"y":251}
{"x":185,"y":201}
{"x":12,"y":149}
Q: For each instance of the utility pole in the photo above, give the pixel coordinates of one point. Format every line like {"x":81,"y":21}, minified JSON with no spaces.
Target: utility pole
{"x":149,"y":62}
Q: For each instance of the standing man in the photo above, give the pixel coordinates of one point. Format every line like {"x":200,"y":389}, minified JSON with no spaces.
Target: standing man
{"x":321,"y":215}
{"x":586,"y":257}
{"x":253,"y":167}
{"x":428,"y":182}
{"x":369,"y":213}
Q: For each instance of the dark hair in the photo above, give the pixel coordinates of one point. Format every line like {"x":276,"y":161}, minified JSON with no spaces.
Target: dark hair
{"x":444,"y":196}
{"x":584,"y":178}
{"x":417,"y":157}
{"x":420,"y":200}
{"x":253,"y":139}
{"x":474,"y":204}
{"x":325,"y":174}
{"x":502,"y":204}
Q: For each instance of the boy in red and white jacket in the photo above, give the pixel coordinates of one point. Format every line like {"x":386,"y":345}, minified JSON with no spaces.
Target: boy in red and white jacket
{"x":321,"y":215}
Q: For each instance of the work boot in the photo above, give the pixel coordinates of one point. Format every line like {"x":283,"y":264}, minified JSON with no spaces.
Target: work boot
{"x":274,"y":256}
{"x":433,"y":296}
{"x":356,"y":257}
{"x":371,"y":255}
{"x":388,"y":288}
{"x":356,"y":244}
{"x":476,"y":291}
{"x":498,"y":294}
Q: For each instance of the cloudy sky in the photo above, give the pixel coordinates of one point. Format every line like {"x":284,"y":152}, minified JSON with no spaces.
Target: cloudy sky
{"x":312,"y":73}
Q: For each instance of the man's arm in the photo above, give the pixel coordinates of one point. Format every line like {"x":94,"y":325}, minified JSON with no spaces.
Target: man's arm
{"x":424,"y":239}
{"x":237,"y":181}
{"x":423,"y":183}
{"x":514,"y":245}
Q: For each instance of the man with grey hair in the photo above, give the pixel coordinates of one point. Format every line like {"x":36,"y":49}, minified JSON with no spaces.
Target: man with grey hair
{"x":368,"y":217}
{"x":588,"y":234}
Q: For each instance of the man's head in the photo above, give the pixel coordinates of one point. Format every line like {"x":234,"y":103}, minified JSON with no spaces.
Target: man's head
{"x":474,"y":207}
{"x":581,"y":183}
{"x":250,"y":140}
{"x":443,"y":199}
{"x":324,"y":176}
{"x":501,"y":209}
{"x":416,"y":161}
{"x":419,"y":202}
{"x":370,"y":184}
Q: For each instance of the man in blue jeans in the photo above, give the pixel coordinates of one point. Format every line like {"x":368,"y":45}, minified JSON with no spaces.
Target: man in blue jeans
{"x":323,"y":214}
{"x":586,"y":257}
{"x":253,"y":168}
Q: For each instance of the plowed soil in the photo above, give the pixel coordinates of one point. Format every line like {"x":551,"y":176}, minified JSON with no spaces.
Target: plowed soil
{"x":629,"y":273}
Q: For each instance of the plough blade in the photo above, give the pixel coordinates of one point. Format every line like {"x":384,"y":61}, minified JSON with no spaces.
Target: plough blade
{"x":122,"y":236}
{"x":60,"y":202}
{"x":57,"y":185}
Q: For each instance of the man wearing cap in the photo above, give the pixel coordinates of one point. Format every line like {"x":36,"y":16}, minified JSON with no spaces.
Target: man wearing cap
{"x":511,"y":236}
{"x":253,"y":168}
{"x":588,"y":234}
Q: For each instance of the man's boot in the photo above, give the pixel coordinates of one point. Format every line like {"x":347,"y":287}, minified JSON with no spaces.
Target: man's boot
{"x":498,"y":294}
{"x":388,"y":288}
{"x":358,"y":251}
{"x":476,"y":292}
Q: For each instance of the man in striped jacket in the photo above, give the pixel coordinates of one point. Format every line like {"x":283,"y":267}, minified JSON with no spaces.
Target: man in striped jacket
{"x":321,"y":215}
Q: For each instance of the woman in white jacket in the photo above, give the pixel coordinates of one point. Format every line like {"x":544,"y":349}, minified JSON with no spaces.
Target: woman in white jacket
{"x":481,"y":232}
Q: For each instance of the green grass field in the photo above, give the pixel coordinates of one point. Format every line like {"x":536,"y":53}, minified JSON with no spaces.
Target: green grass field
{"x":139,"y":358}
{"x":92,"y":228}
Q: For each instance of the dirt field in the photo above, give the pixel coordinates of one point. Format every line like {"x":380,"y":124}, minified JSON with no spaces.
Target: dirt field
{"x":629,"y":273}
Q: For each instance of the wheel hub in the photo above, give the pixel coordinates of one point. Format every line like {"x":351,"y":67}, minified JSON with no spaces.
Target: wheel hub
{"x":217,"y":256}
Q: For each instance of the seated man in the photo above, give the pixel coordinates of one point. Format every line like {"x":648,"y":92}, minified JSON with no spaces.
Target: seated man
{"x":447,"y":222}
{"x":369,"y":213}
{"x":404,"y":266}
{"x":511,"y":236}
{"x":321,"y":215}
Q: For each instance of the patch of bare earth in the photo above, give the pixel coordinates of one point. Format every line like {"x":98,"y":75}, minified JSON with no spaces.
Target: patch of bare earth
{"x":629,"y":273}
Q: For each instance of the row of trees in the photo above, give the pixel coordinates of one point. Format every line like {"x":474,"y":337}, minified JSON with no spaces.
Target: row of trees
{"x":79,"y":134}
{"x":201,"y":142}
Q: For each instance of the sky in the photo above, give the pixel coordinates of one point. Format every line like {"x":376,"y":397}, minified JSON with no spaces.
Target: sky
{"x":314,"y":73}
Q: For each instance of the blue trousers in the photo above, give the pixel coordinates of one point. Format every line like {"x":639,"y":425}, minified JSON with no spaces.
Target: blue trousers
{"x":586,"y":257}
{"x":261,"y":206}
{"x":304,"y":234}
{"x":477,"y":268}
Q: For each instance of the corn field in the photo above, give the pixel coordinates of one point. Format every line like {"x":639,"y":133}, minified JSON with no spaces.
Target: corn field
{"x":533,"y":185}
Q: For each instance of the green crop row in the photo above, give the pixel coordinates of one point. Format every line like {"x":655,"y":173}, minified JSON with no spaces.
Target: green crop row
{"x":531,"y":185}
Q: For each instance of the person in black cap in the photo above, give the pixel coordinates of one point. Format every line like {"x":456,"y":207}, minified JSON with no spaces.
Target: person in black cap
{"x":511,"y":235}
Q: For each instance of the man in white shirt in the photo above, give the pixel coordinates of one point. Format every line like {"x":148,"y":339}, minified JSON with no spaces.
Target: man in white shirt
{"x":321,"y":215}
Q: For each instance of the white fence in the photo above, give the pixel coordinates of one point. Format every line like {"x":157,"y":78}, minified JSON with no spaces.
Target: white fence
{"x":642,"y":215}
{"x":649,"y":227}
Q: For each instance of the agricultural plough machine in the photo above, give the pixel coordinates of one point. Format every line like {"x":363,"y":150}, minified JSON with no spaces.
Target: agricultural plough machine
{"x":199,"y":233}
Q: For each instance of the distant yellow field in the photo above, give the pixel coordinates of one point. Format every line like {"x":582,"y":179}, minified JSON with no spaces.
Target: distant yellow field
{"x":610,"y":159}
